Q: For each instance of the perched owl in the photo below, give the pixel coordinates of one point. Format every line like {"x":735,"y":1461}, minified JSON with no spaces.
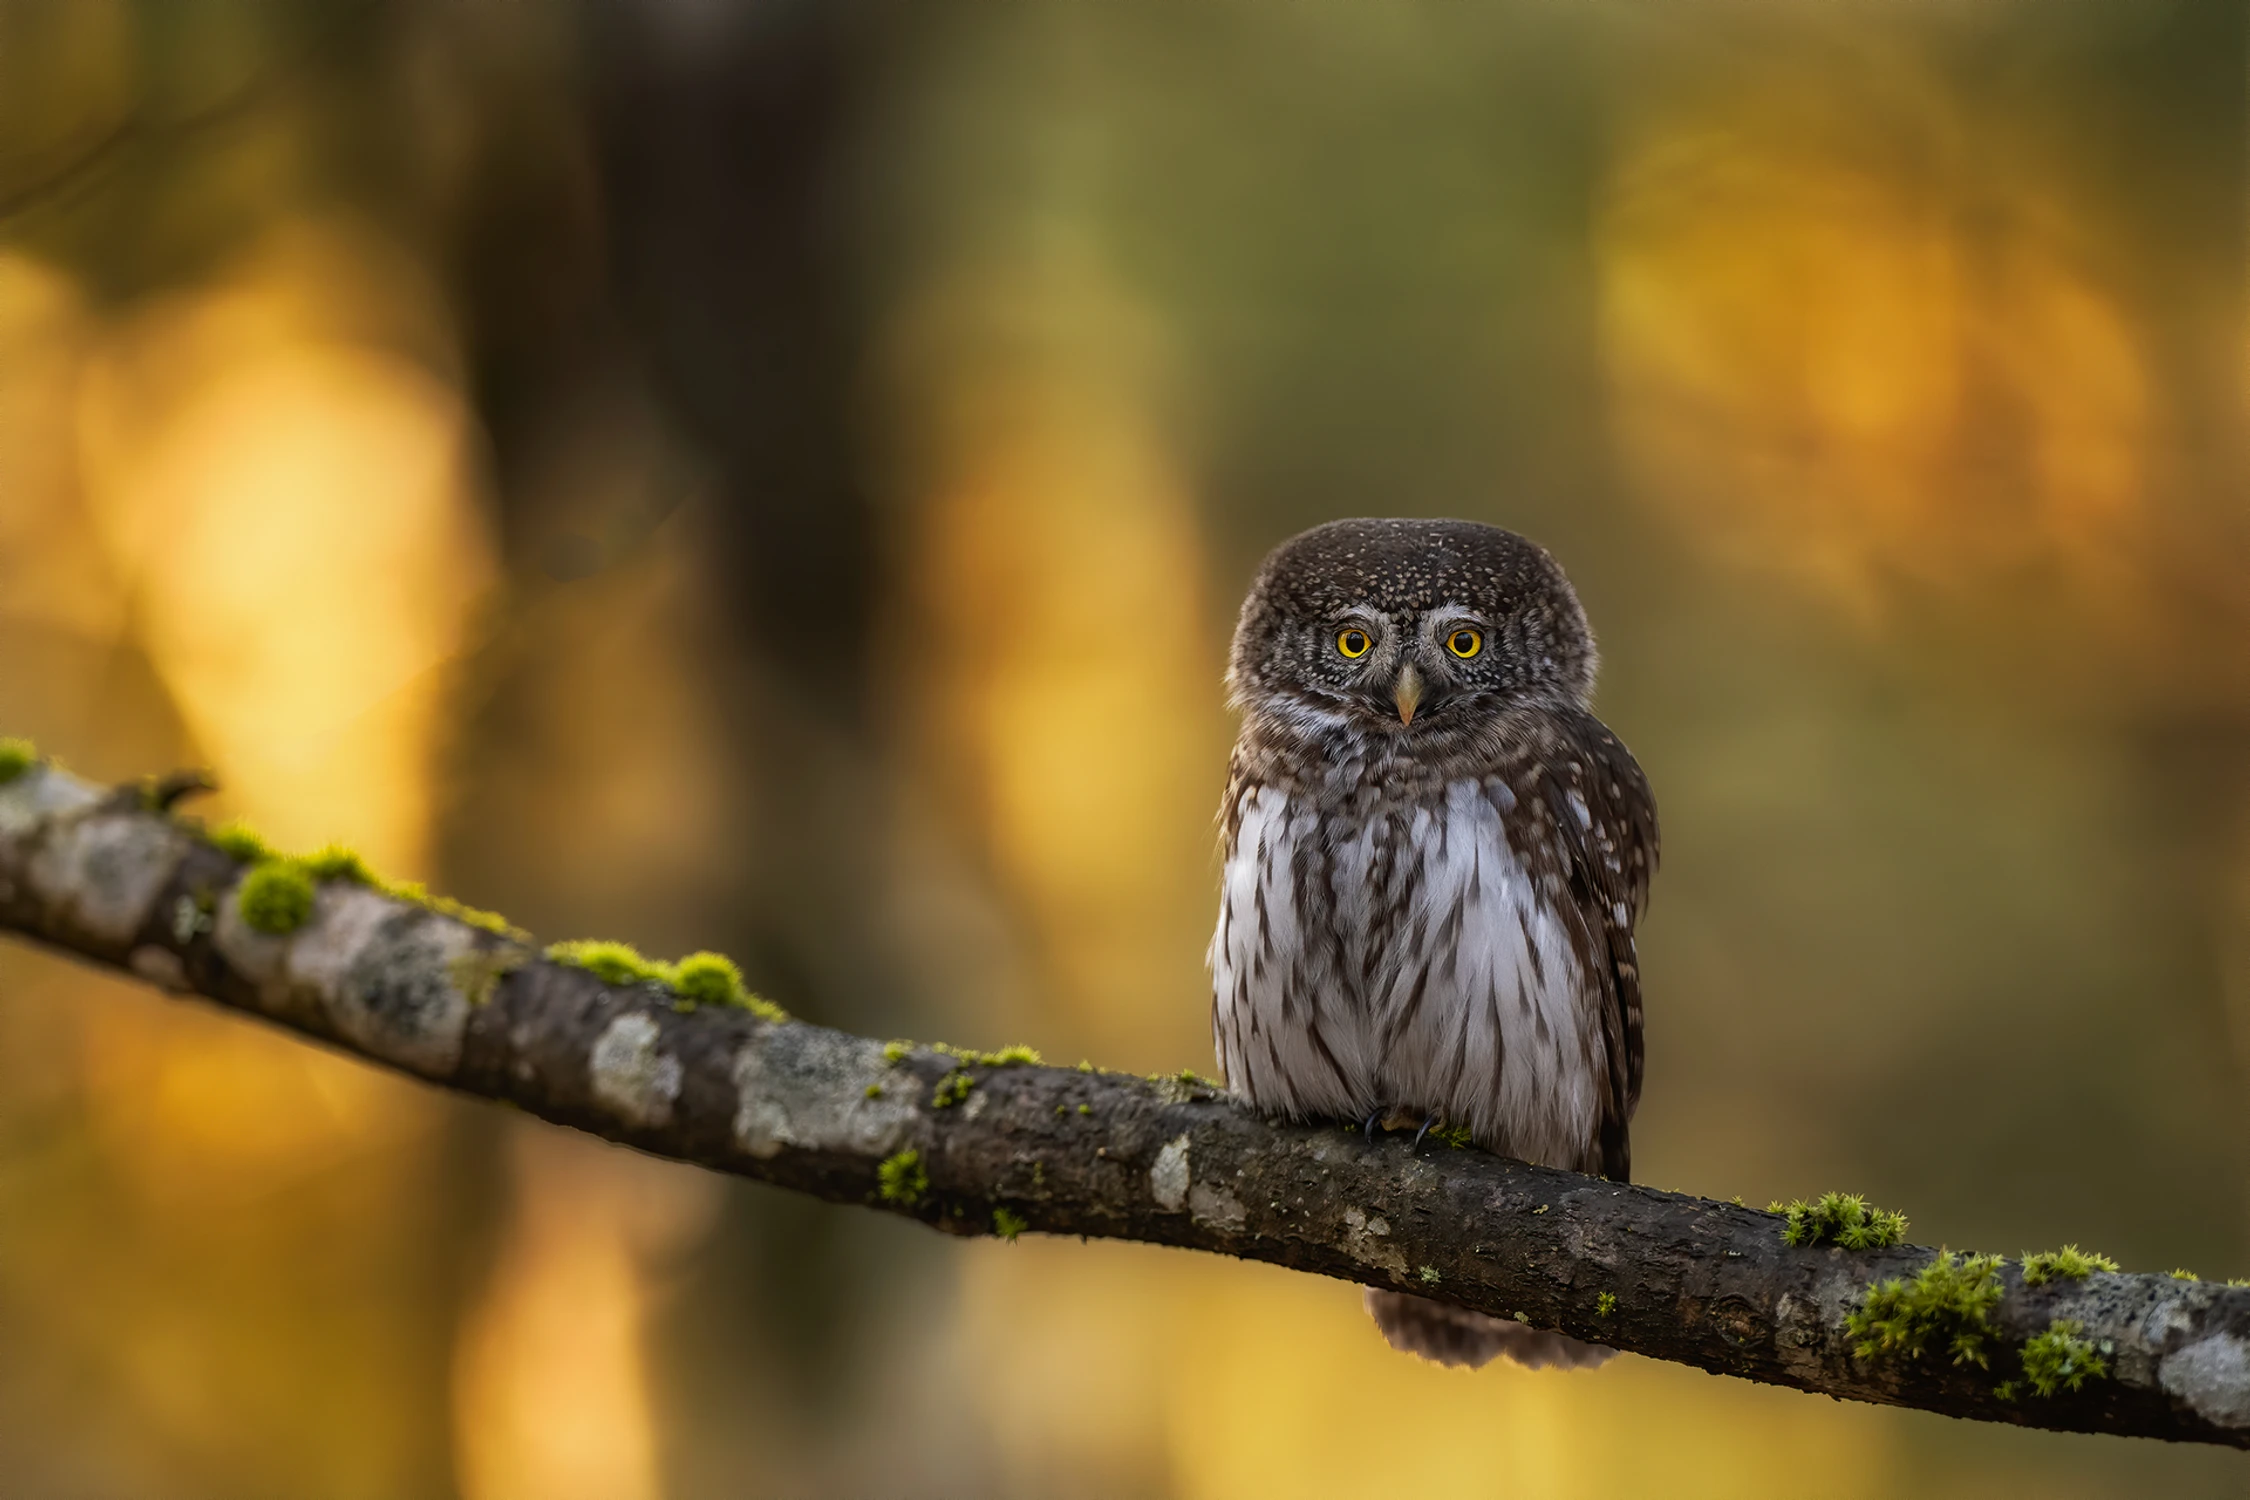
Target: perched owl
{"x":1435,"y":856}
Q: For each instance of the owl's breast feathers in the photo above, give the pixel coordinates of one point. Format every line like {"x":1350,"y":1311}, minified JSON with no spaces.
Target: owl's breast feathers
{"x":1454,"y":938}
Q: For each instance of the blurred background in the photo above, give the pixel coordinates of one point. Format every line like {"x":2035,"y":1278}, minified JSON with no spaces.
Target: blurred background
{"x":778,"y":476}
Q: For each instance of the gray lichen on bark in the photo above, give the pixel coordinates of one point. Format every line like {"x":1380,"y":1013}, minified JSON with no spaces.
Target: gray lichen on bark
{"x":631,"y":1072}
{"x":805,"y":1088}
{"x":105,"y":870}
{"x":116,"y":881}
{"x":365,"y":969}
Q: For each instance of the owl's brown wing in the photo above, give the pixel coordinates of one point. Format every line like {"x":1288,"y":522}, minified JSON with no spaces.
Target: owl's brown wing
{"x":1600,"y":805}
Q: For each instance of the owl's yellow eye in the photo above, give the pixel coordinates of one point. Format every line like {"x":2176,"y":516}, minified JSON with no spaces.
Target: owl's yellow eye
{"x":1354,"y":643}
{"x":1464,"y":643}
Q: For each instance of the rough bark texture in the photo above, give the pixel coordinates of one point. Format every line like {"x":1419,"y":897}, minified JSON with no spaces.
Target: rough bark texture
{"x":113,"y":878}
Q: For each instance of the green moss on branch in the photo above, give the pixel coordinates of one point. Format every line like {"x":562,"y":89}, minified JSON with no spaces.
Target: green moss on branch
{"x":1945,"y":1306}
{"x":335,"y":862}
{"x":16,"y":757}
{"x":2070,"y":1263}
{"x":610,"y":962}
{"x":698,"y":979}
{"x":902,"y":1179}
{"x":1015,"y":1055}
{"x":2062,"y":1358}
{"x":238,"y":840}
{"x":1841,"y":1219}
{"x":276,"y":897}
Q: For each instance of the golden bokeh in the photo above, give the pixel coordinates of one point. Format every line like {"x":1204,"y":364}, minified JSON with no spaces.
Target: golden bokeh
{"x":294,"y":514}
{"x":285,"y":513}
{"x":1067,"y":672}
{"x":392,"y":420}
{"x":1829,"y":357}
{"x":553,"y":1396}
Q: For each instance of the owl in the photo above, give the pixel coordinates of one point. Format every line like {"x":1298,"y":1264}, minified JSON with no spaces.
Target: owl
{"x":1435,"y":858}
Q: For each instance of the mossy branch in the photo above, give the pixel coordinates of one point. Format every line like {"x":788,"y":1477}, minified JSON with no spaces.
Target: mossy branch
{"x":677,"y":1060}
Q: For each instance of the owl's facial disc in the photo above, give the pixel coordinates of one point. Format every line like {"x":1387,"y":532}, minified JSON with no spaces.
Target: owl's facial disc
{"x":1421,"y":632}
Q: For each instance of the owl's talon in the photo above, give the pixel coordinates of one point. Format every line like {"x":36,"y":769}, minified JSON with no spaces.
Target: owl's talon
{"x":1425,"y":1130}
{"x":1371,"y":1121}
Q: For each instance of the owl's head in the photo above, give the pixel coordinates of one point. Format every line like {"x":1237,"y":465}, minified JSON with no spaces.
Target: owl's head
{"x":1409,"y":627}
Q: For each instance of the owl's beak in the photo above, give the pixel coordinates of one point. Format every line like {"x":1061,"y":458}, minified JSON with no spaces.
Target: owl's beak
{"x":1408,"y":693}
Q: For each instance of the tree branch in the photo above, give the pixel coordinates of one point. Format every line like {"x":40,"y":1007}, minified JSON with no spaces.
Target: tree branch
{"x":984,"y":1145}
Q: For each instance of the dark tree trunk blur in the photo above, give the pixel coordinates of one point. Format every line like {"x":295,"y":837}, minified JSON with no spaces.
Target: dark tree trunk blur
{"x":690,"y":249}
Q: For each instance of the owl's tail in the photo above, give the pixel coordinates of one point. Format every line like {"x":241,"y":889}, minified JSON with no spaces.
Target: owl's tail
{"x":1456,"y":1336}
